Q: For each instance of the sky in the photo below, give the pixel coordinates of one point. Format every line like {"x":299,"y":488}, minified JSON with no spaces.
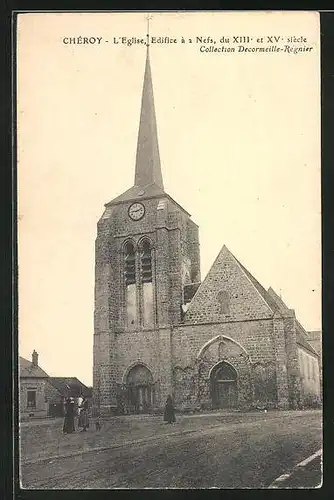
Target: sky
{"x":239,"y":138}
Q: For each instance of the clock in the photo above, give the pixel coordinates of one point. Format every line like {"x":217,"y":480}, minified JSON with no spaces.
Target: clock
{"x":136,"y":211}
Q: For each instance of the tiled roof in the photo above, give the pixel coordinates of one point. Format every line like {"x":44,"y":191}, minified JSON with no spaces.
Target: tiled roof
{"x":138,"y":193}
{"x":189,"y":291}
{"x":277,"y":304}
{"x":301,"y":336}
{"x":262,"y":291}
{"x":28,"y":370}
{"x":315,"y":339}
{"x":314,"y":335}
{"x":278,"y":300}
{"x":69,"y":386}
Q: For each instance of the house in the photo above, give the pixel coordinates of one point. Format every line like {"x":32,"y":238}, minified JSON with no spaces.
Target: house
{"x":32,"y":388}
{"x":42,"y":395}
{"x":58,"y":389}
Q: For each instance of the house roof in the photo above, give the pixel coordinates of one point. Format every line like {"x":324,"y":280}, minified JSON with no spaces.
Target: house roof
{"x":27,"y":369}
{"x":69,"y":386}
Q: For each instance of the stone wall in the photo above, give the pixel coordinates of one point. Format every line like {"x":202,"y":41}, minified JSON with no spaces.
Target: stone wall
{"x":265,"y":383}
{"x":182,"y":358}
{"x":52,"y":395}
{"x":254,"y":336}
{"x":292,"y":359}
{"x":152,"y":348}
{"x":193,"y":250}
{"x":247,"y":346}
{"x":309,"y":377}
{"x":279,"y":346}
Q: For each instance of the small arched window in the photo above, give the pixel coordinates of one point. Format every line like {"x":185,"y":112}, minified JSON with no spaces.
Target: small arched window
{"x":224,"y":302}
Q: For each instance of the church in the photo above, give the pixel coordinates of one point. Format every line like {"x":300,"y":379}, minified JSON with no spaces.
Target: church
{"x":159,"y":329}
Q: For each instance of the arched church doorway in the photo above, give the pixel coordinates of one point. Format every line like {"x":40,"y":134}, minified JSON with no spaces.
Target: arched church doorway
{"x":140,"y":387}
{"x":224,"y":386}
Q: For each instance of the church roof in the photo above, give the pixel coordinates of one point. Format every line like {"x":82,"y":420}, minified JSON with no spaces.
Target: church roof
{"x":189,"y":291}
{"x":302,"y":339}
{"x":148,"y":176}
{"x":138,"y":192}
{"x":278,"y":300}
{"x":314,"y":337}
{"x":262,"y":291}
{"x":27,"y":369}
{"x":314,"y":334}
{"x":148,"y":168}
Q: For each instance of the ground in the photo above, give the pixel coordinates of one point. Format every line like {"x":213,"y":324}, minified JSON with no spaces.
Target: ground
{"x":220,"y":449}
{"x":308,"y":476}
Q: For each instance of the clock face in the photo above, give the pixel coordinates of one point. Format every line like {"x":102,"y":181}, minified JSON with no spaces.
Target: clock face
{"x":136,"y":211}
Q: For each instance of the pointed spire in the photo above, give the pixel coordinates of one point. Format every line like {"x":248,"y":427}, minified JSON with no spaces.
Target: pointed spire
{"x":148,"y":168}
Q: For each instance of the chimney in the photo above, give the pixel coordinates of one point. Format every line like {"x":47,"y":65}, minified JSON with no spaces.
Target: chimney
{"x":34,"y":358}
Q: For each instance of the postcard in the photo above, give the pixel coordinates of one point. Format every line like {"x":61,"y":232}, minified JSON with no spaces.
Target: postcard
{"x":169,"y":250}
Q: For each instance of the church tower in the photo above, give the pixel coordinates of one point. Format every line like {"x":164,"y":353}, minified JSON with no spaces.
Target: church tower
{"x":147,"y":262}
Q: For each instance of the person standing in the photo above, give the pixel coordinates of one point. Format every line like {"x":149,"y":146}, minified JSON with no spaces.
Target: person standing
{"x":68,"y":426}
{"x":169,"y":415}
{"x":79,"y":403}
{"x":83,"y":418}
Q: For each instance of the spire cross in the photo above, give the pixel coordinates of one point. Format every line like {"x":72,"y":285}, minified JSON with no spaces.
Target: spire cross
{"x":148,"y":18}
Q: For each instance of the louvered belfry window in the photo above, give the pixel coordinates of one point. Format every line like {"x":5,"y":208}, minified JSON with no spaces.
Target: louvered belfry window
{"x":130,"y":282}
{"x":138,"y":287}
{"x":146,"y":262}
{"x":147,"y":311}
{"x":130,"y":264}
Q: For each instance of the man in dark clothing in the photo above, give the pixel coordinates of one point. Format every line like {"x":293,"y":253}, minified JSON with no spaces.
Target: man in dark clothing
{"x":169,"y":415}
{"x":68,"y":427}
